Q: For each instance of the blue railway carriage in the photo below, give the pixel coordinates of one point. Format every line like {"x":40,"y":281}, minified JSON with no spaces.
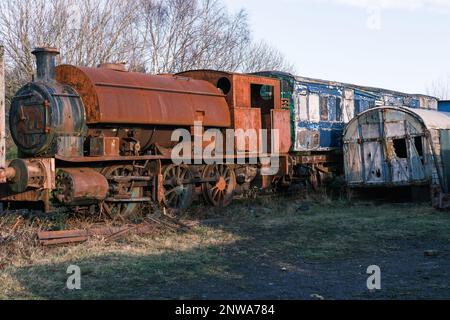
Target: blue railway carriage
{"x":321,"y":109}
{"x":444,"y":106}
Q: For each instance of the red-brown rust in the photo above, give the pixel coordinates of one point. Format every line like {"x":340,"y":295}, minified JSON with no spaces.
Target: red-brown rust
{"x":248,"y":108}
{"x":239,"y":95}
{"x":115,"y":97}
{"x":281,"y":120}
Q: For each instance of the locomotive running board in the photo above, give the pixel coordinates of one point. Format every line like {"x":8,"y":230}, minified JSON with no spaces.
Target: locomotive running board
{"x":143,"y":158}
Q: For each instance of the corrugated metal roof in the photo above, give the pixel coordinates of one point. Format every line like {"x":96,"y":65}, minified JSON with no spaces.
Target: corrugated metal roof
{"x":344,"y":84}
{"x":432,"y":119}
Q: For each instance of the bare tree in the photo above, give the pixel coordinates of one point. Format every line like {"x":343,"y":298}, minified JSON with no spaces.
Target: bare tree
{"x":157,"y":36}
{"x":179,"y":35}
{"x":263,"y":57}
{"x":440,"y":88}
{"x":87,"y":31}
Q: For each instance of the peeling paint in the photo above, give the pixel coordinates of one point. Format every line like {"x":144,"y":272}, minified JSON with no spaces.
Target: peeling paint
{"x":324,"y":107}
{"x":397,"y":146}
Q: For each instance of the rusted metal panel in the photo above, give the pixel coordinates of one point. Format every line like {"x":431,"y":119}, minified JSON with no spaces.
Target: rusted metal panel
{"x":115,"y":97}
{"x":28,"y":196}
{"x":104,"y":146}
{"x":307,"y":139}
{"x":238,"y":87}
{"x":247,"y":119}
{"x":281,"y":120}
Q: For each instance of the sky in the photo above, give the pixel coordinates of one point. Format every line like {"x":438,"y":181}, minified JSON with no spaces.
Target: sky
{"x":395,"y":44}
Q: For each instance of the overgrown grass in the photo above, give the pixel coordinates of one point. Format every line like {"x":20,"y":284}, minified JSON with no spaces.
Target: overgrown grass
{"x":265,"y":230}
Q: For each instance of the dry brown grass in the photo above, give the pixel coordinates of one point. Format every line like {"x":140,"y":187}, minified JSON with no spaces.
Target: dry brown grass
{"x":319,"y":229}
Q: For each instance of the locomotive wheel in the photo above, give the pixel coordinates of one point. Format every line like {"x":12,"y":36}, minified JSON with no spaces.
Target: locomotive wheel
{"x":178,"y":187}
{"x":123,"y":210}
{"x":219,"y":190}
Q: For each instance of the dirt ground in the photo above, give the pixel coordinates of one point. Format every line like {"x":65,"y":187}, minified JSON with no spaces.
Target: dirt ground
{"x":282,"y":248}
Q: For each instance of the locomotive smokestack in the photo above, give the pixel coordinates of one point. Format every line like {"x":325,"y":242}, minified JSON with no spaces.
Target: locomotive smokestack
{"x":45,"y":63}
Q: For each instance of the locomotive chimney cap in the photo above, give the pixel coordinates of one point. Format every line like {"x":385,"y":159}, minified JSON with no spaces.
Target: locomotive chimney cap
{"x":45,"y":63}
{"x":46,"y":50}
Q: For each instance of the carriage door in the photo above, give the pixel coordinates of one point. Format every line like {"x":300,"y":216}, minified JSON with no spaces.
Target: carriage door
{"x":372,"y":149}
{"x":445,"y":154}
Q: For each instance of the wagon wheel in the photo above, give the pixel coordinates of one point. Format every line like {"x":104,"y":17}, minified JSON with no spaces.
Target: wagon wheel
{"x":178,"y":187}
{"x":220,"y":185}
{"x":123,"y":210}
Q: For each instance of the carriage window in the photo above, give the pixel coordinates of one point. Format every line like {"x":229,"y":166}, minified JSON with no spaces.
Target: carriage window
{"x":314,"y":107}
{"x":338,"y":109}
{"x":302,"y":104}
{"x":324,"y":108}
{"x":400,"y":148}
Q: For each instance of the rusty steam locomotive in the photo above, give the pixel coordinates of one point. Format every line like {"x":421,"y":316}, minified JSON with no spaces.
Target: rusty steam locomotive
{"x":99,"y":139}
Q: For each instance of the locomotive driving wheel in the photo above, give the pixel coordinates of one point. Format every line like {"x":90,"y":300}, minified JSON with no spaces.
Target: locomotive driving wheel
{"x":220,"y":184}
{"x":177,"y":187}
{"x":121,"y":204}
